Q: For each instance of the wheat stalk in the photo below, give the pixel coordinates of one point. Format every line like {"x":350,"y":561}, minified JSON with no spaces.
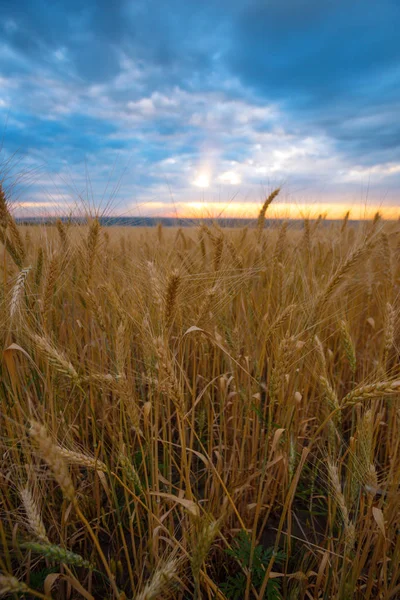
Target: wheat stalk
{"x":4,"y":212}
{"x":16,"y":239}
{"x":280,"y":243}
{"x":218,"y":248}
{"x":348,"y":346}
{"x":170,"y":299}
{"x":91,"y":248}
{"x":39,"y":267}
{"x":49,"y":285}
{"x":202,"y":245}
{"x":155,"y":283}
{"x":121,"y":349}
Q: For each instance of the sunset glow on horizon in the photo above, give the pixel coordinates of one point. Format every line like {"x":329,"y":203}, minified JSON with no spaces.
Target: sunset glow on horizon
{"x":232,"y":210}
{"x":199,"y":210}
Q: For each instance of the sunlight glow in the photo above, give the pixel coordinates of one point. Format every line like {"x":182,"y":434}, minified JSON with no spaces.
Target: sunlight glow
{"x":202,"y":180}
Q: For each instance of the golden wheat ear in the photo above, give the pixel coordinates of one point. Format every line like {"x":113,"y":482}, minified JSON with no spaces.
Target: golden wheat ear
{"x":264,"y":208}
{"x":33,"y":514}
{"x":17,"y":291}
{"x":160,"y":581}
{"x":49,"y":452}
{"x":55,"y":357}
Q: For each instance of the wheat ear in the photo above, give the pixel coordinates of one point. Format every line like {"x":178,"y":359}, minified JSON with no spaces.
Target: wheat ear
{"x":337,"y":278}
{"x":33,"y":513}
{"x":204,"y":538}
{"x":11,"y":585}
{"x":57,"y":554}
{"x":80,"y":459}
{"x":62,"y":232}
{"x":55,"y":357}
{"x":51,"y":455}
{"x":160,"y":581}
{"x":17,"y":291}
{"x":373,"y":390}
{"x":341,"y":503}
{"x":264,"y":208}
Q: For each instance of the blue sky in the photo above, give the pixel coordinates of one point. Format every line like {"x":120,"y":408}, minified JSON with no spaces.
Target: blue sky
{"x":185,"y":106}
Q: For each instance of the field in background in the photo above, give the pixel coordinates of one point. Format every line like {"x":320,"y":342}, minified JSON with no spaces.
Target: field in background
{"x":200,"y":413}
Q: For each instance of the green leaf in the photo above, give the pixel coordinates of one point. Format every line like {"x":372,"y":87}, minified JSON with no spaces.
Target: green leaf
{"x":235,"y":585}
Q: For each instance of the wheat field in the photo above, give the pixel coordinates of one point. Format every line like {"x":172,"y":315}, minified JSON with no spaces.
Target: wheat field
{"x":200,"y":413}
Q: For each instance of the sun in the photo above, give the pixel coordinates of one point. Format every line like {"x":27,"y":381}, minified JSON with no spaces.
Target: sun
{"x":202,"y":180}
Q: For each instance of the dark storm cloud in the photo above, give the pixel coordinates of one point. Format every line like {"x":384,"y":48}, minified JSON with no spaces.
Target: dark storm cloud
{"x":177,"y":35}
{"x":327,"y":62}
{"x":314,"y":50}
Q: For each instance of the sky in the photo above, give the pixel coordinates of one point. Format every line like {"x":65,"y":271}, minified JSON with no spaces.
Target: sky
{"x":152,"y":108}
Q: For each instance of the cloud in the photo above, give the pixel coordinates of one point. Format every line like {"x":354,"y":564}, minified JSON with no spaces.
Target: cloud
{"x":249,"y":93}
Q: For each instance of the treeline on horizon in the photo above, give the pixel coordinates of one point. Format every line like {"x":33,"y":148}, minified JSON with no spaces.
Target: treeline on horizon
{"x":234,"y":222}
